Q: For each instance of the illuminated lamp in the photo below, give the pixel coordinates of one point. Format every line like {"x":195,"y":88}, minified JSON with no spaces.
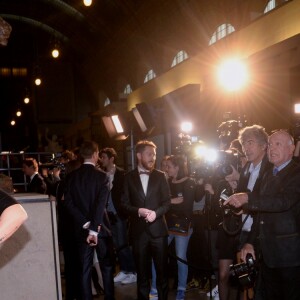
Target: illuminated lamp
{"x":114,"y":127}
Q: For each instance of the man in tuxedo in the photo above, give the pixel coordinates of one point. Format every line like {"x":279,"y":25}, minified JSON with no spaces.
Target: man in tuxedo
{"x":118,"y":219}
{"x":36,"y":184}
{"x":277,"y":226}
{"x":147,"y":199}
{"x":86,"y":196}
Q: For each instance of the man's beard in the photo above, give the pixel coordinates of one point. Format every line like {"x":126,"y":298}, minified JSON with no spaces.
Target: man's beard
{"x":146,"y":167}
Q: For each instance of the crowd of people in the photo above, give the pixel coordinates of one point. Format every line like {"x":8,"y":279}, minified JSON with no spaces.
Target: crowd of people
{"x":127,"y":221}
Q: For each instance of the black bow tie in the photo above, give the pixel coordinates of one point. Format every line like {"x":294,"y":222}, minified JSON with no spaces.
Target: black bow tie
{"x":144,"y":173}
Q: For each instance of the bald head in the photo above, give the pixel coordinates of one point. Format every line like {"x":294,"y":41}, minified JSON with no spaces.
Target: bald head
{"x":281,"y":148}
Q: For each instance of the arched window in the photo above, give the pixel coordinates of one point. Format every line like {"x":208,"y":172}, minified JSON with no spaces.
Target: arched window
{"x":221,"y":32}
{"x":127,"y":89}
{"x":106,"y":102}
{"x":271,"y":5}
{"x":150,"y":75}
{"x":179,"y":57}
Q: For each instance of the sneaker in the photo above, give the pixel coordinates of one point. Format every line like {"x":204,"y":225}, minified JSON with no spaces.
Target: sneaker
{"x":193,"y":284}
{"x":120,"y":276}
{"x":180,"y":295}
{"x":153,"y":294}
{"x":214,"y":292}
{"x":130,"y":278}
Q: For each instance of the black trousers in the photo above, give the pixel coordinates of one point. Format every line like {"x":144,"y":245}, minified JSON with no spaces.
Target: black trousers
{"x":146,"y":248}
{"x":105,"y":253}
{"x":278,"y":283}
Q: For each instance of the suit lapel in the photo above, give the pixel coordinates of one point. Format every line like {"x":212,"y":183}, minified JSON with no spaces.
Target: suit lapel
{"x":137,"y":181}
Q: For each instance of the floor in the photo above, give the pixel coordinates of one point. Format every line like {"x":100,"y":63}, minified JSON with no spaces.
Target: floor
{"x":128,"y":292}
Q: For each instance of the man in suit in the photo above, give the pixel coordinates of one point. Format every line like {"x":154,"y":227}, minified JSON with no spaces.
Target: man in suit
{"x":147,"y":199}
{"x":118,"y":219}
{"x":254,"y":142}
{"x":86,"y":196}
{"x":36,"y":184}
{"x":277,"y":226}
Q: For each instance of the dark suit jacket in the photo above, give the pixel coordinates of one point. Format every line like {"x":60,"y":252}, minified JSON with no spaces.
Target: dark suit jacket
{"x":117,"y":191}
{"x":277,"y":225}
{"x":244,"y":177}
{"x":157,"y":199}
{"x":37,"y":185}
{"x":86,"y":196}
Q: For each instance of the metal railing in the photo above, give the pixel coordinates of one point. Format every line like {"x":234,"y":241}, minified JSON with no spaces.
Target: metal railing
{"x":11,"y":165}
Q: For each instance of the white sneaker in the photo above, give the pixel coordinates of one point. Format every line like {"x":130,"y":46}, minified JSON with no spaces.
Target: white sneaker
{"x":214,"y":292}
{"x":130,"y":278}
{"x":120,"y":276}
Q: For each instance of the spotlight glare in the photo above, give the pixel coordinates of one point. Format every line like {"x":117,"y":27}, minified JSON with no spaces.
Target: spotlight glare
{"x":232,"y":74}
{"x":12,"y":122}
{"x":18,"y":113}
{"x":26,"y":100}
{"x":297,"y":108}
{"x":186,"y":126}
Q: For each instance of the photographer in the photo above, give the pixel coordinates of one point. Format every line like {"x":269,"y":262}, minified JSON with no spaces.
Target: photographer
{"x":254,"y":144}
{"x":276,"y":226}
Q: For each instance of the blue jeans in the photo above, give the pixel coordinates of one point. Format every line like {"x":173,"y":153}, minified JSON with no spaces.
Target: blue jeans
{"x":181,"y":244}
{"x":120,"y":240}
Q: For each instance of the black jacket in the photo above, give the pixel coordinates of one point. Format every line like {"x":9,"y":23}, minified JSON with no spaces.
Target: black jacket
{"x":277,"y":225}
{"x":157,"y":199}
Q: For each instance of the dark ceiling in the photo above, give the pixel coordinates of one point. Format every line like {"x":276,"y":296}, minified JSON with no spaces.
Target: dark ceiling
{"x":90,"y":36}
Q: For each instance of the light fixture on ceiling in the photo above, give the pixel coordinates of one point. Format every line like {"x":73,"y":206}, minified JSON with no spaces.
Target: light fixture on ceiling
{"x":87,"y":2}
{"x":26,"y":99}
{"x":38,"y":81}
{"x":55,"y":52}
{"x":18,"y":113}
{"x":12,"y":122}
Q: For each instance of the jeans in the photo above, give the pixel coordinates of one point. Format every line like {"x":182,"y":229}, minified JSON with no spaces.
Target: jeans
{"x":181,"y":244}
{"x":120,"y":240}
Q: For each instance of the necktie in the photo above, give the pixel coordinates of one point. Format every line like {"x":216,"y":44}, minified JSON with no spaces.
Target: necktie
{"x":275,"y":171}
{"x":144,"y":173}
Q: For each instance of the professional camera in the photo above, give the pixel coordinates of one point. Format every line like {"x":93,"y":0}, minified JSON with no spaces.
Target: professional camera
{"x":227,"y":159}
{"x":245,"y":273}
{"x":227,"y":208}
{"x":53,"y":163}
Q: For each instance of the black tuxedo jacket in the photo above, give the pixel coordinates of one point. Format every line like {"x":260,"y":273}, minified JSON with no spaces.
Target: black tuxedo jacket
{"x":117,"y":191}
{"x":37,"y":185}
{"x":277,"y":225}
{"x":86,"y":196}
{"x":157,"y":199}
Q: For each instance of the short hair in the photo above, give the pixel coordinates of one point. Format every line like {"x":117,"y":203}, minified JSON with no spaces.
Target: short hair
{"x":257,"y":131}
{"x":87,"y":149}
{"x":180,"y":162}
{"x":31,"y":162}
{"x":110,"y":152}
{"x":67,"y":154}
{"x":141,"y":145}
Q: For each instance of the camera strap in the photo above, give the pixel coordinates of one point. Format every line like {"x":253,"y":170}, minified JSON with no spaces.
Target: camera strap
{"x":239,"y":228}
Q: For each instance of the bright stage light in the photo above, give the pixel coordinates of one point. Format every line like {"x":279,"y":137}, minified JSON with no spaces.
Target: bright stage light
{"x":297,"y":108}
{"x":117,"y":124}
{"x":186,"y":126}
{"x":233,"y":74}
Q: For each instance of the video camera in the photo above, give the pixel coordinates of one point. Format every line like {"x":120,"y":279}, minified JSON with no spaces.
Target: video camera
{"x":53,"y":163}
{"x":245,"y":273}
